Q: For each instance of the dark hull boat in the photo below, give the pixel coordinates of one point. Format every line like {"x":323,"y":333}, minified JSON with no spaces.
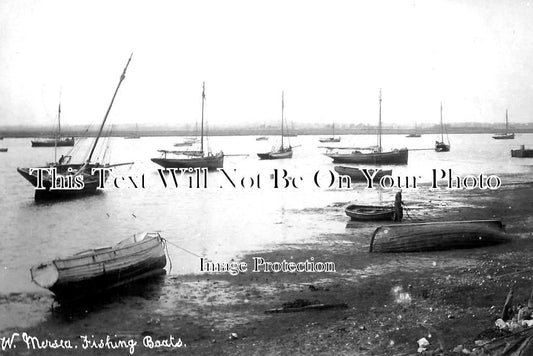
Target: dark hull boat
{"x":522,"y":152}
{"x":434,"y":236}
{"x":210,"y":162}
{"x":506,"y":135}
{"x":3,"y":149}
{"x":262,"y":138}
{"x":400,"y":156}
{"x":94,"y":271}
{"x":52,"y":142}
{"x":357,"y":175}
{"x":330,"y":139}
{"x":440,"y":146}
{"x":282,"y":152}
{"x":413,"y":135}
{"x":369,"y":212}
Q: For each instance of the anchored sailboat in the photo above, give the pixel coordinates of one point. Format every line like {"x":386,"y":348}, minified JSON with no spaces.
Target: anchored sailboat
{"x":192,"y":159}
{"x":134,"y":135}
{"x":414,"y":134}
{"x":372,"y":155}
{"x":440,"y":146}
{"x":506,"y":135}
{"x":282,"y":152}
{"x":74,"y":173}
{"x":332,"y":138}
{"x":57,"y":141}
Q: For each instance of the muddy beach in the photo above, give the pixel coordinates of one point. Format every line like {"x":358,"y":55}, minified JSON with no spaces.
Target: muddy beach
{"x":392,"y":300}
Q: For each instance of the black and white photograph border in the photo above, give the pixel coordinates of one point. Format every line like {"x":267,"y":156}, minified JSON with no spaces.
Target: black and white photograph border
{"x":266,"y":178}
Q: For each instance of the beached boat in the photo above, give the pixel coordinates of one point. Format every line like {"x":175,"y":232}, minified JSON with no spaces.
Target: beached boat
{"x":370,"y":212}
{"x":441,"y":146}
{"x":507,"y":135}
{"x":281,"y":152}
{"x":433,"y":236}
{"x":72,"y":174}
{"x":522,"y":152}
{"x":194,"y":158}
{"x":3,"y":149}
{"x":57,"y":141}
{"x":371,"y":155}
{"x":357,"y":175}
{"x":97,"y":270}
{"x":332,"y":138}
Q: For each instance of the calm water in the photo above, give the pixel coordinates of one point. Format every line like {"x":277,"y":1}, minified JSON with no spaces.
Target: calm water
{"x":221,"y":223}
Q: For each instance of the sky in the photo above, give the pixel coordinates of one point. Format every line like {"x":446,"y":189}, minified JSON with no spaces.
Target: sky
{"x":331,"y":58}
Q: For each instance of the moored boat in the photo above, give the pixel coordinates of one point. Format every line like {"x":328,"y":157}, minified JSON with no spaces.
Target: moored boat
{"x":3,"y":149}
{"x":507,"y":135}
{"x":441,"y":146}
{"x":332,"y":138}
{"x":53,"y":142}
{"x":522,"y":152}
{"x":262,"y":138}
{"x":434,"y":236}
{"x":97,"y":270}
{"x":370,"y":212}
{"x":282,"y":152}
{"x":357,"y":175}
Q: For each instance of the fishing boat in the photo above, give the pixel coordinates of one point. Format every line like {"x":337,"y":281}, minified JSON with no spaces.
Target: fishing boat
{"x":57,"y":141}
{"x":440,"y":235}
{"x":332,"y":138}
{"x":262,"y":138}
{"x":371,"y":155}
{"x":522,"y":152}
{"x":356,"y":174}
{"x":97,"y":270}
{"x":134,"y":135}
{"x":507,"y":135}
{"x":370,"y":212}
{"x":3,"y":149}
{"x":282,"y":152}
{"x":191,"y":158}
{"x":72,"y":173}
{"x":414,"y":134}
{"x":441,"y":146}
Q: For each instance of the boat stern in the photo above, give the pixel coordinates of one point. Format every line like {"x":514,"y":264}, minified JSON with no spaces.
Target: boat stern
{"x":44,"y":275}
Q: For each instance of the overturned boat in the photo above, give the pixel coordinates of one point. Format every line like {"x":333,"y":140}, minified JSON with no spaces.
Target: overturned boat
{"x":370,"y":212}
{"x":434,"y":236}
{"x":97,"y":270}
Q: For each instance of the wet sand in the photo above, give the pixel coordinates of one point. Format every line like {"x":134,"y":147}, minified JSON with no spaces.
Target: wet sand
{"x":392,"y":299}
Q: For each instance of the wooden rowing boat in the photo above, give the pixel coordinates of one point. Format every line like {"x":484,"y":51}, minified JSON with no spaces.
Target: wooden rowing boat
{"x":434,"y":236}
{"x":357,"y":175}
{"x":370,"y":212}
{"x":97,"y":270}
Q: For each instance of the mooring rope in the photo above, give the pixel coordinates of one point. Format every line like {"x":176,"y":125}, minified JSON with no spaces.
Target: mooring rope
{"x":181,"y":248}
{"x":165,"y":247}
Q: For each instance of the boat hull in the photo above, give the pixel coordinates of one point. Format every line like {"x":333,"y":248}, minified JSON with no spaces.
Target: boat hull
{"x":442,"y":147}
{"x":413,"y":135}
{"x":275,"y":155}
{"x":504,"y":136}
{"x":369,"y":212}
{"x":210,"y":162}
{"x":357,"y":175}
{"x":522,"y":153}
{"x":95,"y":271}
{"x":3,"y":149}
{"x":64,"y":142}
{"x":392,"y":157}
{"x":331,"y":139}
{"x":435,"y":236}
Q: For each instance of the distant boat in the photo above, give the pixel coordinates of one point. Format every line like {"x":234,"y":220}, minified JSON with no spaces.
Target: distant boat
{"x":414,"y":134}
{"x":506,"y":135}
{"x":372,"y":155}
{"x":370,"y":212}
{"x":54,"y":141}
{"x":134,"y":135}
{"x":332,"y":138}
{"x":262,"y":138}
{"x":94,"y":271}
{"x":191,"y":159}
{"x":357,"y":175}
{"x":522,"y":152}
{"x":73,"y":171}
{"x":282,"y":152}
{"x":3,"y":149}
{"x":440,"y":146}
{"x":440,"y":235}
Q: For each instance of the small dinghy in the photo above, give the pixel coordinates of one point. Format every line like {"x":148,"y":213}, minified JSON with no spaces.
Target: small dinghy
{"x":370,"y":212}
{"x":97,"y":270}
{"x":434,"y":236}
{"x":357,"y":175}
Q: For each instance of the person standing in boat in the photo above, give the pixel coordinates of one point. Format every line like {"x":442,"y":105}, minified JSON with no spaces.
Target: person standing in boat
{"x":398,"y":207}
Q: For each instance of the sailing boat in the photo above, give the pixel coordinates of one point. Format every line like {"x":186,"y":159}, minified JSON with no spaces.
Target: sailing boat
{"x":54,"y":141}
{"x":282,"y":152}
{"x":372,"y":155}
{"x":192,"y":159}
{"x":414,"y":134}
{"x":332,"y":138}
{"x":506,"y":135}
{"x":440,"y":146}
{"x":72,"y":173}
{"x":134,"y":135}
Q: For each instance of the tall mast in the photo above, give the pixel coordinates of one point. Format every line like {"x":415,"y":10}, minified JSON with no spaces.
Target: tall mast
{"x":441,"y":125}
{"x":506,"y":121}
{"x":333,"y":130}
{"x":282,"y":107}
{"x":379,"y":123}
{"x":202,"y":130}
{"x":58,"y":128}
{"x":109,"y":108}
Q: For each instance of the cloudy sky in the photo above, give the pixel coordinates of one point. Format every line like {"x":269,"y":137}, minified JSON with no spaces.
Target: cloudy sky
{"x":330,"y":57}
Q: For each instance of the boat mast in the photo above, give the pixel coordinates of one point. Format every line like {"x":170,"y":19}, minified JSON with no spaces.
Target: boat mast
{"x":109,"y":109}
{"x":441,"y":125}
{"x":202,"y":130}
{"x":58,"y":138}
{"x":379,"y":123}
{"x":506,"y":121}
{"x":282,"y":107}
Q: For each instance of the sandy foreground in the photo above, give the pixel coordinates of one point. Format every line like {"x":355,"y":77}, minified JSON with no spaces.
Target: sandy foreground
{"x":392,"y":300}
